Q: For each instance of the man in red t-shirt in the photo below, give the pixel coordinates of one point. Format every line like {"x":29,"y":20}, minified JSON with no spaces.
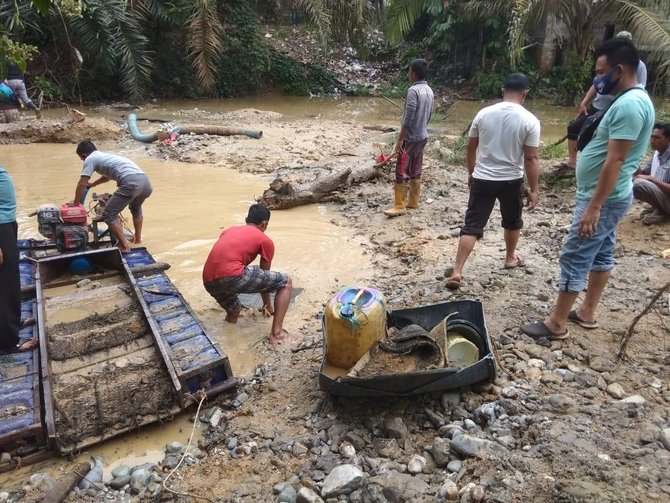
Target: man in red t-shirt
{"x":227,"y":272}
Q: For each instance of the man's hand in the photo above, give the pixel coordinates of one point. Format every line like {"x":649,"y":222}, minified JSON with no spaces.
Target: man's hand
{"x":589,"y":222}
{"x":642,"y":176}
{"x":531,"y":201}
{"x":583,"y":109}
{"x":2,"y":257}
{"x":470,"y":179}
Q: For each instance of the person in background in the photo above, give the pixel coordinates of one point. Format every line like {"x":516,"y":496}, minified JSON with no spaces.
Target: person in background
{"x":17,"y":84}
{"x":504,"y":142}
{"x":592,"y":103}
{"x":604,"y":194}
{"x":227,"y":273}
{"x":132,"y":189}
{"x":412,"y":139}
{"x":651,"y":184}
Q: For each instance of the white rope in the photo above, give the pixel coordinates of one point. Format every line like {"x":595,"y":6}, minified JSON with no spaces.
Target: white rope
{"x":202,"y":396}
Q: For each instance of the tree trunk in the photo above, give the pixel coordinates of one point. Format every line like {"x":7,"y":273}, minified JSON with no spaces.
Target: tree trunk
{"x":284,"y":194}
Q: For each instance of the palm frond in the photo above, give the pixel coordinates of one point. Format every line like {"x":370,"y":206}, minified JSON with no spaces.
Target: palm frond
{"x":650,"y":24}
{"x":112,"y":35}
{"x":401,"y":16}
{"x":152,"y":9}
{"x":318,"y":16}
{"x":205,"y":41}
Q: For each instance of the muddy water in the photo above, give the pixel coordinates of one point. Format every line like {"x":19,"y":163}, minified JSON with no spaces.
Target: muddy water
{"x":363,"y":109}
{"x":189,"y":207}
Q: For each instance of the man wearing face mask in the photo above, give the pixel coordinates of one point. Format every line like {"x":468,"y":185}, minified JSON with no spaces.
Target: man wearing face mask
{"x":592,"y":103}
{"x":604,"y":190}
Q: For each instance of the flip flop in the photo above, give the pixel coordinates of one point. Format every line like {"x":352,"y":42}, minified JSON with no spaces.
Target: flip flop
{"x":520,"y":262}
{"x":29,"y":344}
{"x":653,"y":218}
{"x":540,"y":329}
{"x":563,"y":165}
{"x":454,"y":284}
{"x":590,"y":325}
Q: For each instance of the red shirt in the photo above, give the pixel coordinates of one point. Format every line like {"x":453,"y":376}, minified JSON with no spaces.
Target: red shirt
{"x":236,"y":248}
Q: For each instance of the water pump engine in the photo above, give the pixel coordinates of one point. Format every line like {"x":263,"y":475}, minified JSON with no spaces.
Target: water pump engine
{"x":66,"y":225}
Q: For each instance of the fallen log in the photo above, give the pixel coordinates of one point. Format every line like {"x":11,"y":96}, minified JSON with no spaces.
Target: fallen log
{"x":66,"y":483}
{"x":284,"y":194}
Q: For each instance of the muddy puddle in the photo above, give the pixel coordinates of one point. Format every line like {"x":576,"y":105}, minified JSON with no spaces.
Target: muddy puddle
{"x":190,"y":206}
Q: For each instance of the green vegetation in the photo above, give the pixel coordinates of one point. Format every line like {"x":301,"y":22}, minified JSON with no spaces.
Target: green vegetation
{"x":551,"y":151}
{"x":120,"y":49}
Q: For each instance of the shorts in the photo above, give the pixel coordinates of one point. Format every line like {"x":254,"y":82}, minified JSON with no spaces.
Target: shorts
{"x":409,"y":165}
{"x":580,"y":256}
{"x":252,"y":280}
{"x":575,"y":125}
{"x":483,"y":195}
{"x":132,"y":192}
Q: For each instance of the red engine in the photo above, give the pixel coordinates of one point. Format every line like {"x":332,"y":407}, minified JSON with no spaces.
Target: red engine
{"x":66,"y":225}
{"x":73,"y":215}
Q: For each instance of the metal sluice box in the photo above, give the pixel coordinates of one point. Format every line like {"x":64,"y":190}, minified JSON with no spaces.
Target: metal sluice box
{"x":424,"y":381}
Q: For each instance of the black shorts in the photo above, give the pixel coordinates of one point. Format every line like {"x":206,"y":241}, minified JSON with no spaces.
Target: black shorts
{"x":576,"y":124}
{"x":483,"y":195}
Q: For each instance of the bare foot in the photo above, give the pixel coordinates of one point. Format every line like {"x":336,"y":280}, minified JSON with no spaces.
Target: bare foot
{"x":123,"y":249}
{"x":234,"y":314}
{"x":29,"y":344}
{"x":136,"y":241}
{"x":283,"y":338}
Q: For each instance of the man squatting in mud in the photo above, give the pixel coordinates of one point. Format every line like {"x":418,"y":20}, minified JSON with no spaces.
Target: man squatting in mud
{"x":412,"y":139}
{"x":133,"y":187}
{"x":227,"y":273}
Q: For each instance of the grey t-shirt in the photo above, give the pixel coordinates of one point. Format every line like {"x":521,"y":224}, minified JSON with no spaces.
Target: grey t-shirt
{"x":417,"y":111}
{"x":604,"y":100}
{"x":110,"y":166}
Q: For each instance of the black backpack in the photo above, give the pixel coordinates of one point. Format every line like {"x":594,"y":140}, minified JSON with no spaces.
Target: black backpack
{"x":593,"y":121}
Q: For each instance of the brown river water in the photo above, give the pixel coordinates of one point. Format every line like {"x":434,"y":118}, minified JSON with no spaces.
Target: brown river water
{"x":184,"y":216}
{"x":192,"y":203}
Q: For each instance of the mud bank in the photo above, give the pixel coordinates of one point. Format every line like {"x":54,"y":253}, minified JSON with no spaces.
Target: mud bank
{"x":60,"y":131}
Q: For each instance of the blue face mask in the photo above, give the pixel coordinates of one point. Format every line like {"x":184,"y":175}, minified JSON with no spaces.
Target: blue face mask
{"x":605,"y":84}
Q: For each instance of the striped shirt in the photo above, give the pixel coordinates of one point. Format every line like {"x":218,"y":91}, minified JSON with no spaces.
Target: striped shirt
{"x":659,"y":166}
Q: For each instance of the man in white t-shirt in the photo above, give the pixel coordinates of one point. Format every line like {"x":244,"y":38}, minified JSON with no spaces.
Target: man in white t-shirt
{"x":132,"y":189}
{"x":504,"y":141}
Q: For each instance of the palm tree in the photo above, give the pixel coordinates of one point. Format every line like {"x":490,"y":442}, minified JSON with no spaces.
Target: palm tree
{"x":580,"y":18}
{"x":647,"y":19}
{"x":339,"y":19}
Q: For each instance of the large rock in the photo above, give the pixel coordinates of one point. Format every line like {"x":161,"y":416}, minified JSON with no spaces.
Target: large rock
{"x":120,"y":481}
{"x":398,"y":487}
{"x":469,"y":446}
{"x":395,"y":428}
{"x":416,"y":464}
{"x":664,"y":438}
{"x":139,"y":480}
{"x":344,"y":479}
{"x":306,"y":495}
{"x":440,"y":452}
